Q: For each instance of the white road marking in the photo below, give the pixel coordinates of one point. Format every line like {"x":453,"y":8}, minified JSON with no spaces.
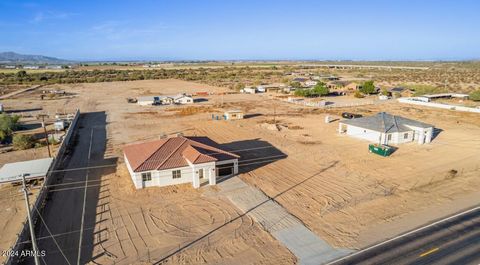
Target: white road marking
{"x":84,"y":201}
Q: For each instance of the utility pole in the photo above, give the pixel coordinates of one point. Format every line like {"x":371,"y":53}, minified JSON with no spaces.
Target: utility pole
{"x":274,"y":112}
{"x":30,"y":223}
{"x":45,"y":131}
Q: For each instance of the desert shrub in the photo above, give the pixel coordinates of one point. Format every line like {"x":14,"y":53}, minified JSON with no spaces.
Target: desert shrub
{"x":358,"y":94}
{"x":452,"y":173}
{"x":475,"y":95}
{"x":52,"y":140}
{"x":296,"y":84}
{"x":22,"y":141}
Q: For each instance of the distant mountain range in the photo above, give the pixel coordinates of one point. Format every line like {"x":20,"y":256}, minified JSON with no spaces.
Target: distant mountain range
{"x":16,"y":58}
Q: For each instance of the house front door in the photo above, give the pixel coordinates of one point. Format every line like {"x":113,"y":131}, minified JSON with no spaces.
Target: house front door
{"x":201,"y":174}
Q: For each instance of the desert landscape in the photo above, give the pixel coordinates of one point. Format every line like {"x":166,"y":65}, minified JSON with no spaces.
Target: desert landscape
{"x":329,"y":181}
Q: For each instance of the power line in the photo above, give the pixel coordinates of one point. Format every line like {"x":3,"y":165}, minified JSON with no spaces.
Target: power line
{"x":50,"y":233}
{"x":185,"y":171}
{"x":113,"y":165}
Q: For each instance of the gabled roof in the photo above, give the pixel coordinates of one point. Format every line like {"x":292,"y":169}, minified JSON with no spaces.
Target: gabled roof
{"x":172,"y":153}
{"x":300,"y":79}
{"x":179,"y":96}
{"x":386,"y":123}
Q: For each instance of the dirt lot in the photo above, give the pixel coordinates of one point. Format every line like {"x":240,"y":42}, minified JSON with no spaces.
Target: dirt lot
{"x":149,"y":225}
{"x":12,"y":204}
{"x":327,"y":180}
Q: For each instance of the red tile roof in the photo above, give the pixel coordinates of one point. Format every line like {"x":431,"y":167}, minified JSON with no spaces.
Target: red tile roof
{"x":172,"y":153}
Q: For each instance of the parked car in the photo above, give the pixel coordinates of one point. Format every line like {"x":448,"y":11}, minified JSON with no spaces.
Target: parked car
{"x":348,"y":115}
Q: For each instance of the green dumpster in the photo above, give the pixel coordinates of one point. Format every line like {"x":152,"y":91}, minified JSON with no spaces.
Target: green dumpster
{"x":383,"y":150}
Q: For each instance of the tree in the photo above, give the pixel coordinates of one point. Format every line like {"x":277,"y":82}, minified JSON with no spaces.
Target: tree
{"x":22,"y":141}
{"x":303,"y":93}
{"x":368,"y":88}
{"x":21,"y":73}
{"x":321,"y":89}
{"x":384,"y":92}
{"x":475,"y":95}
{"x":7,"y":125}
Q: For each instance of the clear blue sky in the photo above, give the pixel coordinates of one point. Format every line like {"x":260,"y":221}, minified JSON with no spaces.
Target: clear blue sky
{"x":243,"y":29}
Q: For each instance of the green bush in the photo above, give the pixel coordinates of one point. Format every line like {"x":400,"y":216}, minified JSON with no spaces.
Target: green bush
{"x":368,"y":88}
{"x":22,"y":141}
{"x":321,"y":89}
{"x":303,"y":93}
{"x":52,"y":140}
{"x":296,"y":84}
{"x":7,"y":125}
{"x":475,"y":95}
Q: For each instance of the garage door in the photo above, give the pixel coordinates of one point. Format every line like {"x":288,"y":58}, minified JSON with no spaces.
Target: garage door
{"x":224,"y":170}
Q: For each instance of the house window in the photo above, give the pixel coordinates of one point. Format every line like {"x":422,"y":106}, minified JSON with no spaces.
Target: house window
{"x":389,"y":137}
{"x":176,"y":174}
{"x":147,"y":176}
{"x":405,"y":136}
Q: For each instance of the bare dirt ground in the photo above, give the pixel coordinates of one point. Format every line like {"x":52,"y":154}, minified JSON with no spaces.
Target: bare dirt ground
{"x":152,"y":225}
{"x":329,"y":181}
{"x":12,"y":203}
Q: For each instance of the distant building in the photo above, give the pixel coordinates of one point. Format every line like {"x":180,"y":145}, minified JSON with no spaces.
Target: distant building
{"x":145,"y":101}
{"x":53,"y":67}
{"x":276,"y":87}
{"x":165,"y":100}
{"x":310,"y":83}
{"x":300,"y":79}
{"x":384,"y":128}
{"x":261,"y":89}
{"x":32,"y":169}
{"x":233,"y":115}
{"x":178,"y":160}
{"x":397,"y":89}
{"x":31,"y":67}
{"x":250,"y":90}
{"x":446,"y":95}
{"x":182,"y":99}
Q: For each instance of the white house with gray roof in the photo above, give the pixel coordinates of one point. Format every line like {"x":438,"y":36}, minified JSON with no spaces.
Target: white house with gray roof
{"x":385,"y":128}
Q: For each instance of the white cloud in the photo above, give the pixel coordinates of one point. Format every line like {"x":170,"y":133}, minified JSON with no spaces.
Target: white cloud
{"x":51,"y":15}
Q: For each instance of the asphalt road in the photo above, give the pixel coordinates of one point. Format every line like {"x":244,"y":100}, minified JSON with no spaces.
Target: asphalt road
{"x":65,"y":208}
{"x":454,"y":241}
